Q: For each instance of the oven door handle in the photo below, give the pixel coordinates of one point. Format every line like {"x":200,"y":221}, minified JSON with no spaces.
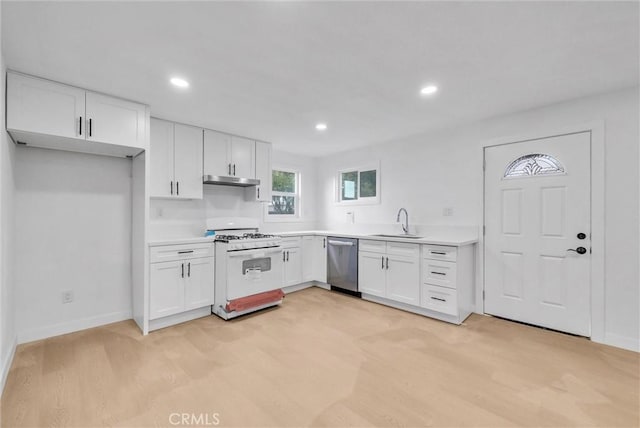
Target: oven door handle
{"x":258,"y":252}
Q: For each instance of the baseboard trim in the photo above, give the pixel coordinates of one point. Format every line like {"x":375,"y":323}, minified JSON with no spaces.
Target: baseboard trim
{"x":297,"y":287}
{"x":623,"y":342}
{"x":193,"y":314}
{"x":6,"y":365}
{"x":72,"y":326}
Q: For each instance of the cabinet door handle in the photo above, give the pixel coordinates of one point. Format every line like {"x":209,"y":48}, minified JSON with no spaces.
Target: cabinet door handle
{"x":234,"y":169}
{"x":382,"y":267}
{"x":189,"y":270}
{"x":284,"y":256}
{"x":438,"y":273}
{"x":287,"y":256}
{"x":185,"y":252}
{"x":440,"y":253}
{"x":177,"y":187}
{"x":182,"y":274}
{"x":80,"y":121}
{"x":324,"y":242}
{"x":387,"y":263}
{"x":90,"y":127}
{"x":172,"y":187}
{"x":258,"y":192}
{"x":438,"y":299}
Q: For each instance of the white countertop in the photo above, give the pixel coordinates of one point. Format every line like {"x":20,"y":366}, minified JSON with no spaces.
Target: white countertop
{"x":178,"y":241}
{"x":456,"y":239}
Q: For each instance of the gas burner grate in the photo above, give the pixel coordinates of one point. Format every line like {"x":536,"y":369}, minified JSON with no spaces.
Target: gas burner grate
{"x":227,"y":238}
{"x":256,"y":236}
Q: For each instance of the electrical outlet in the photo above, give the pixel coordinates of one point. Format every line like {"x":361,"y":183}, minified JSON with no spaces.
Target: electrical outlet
{"x":351,"y":217}
{"x":447,"y":212}
{"x":67,"y":296}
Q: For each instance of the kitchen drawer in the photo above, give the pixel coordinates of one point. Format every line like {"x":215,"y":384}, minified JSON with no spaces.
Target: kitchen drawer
{"x":439,"y":299}
{"x":403,"y":249}
{"x":372,"y":246}
{"x":166,"y":253}
{"x":439,"y":252}
{"x":439,"y":272}
{"x":291,"y":242}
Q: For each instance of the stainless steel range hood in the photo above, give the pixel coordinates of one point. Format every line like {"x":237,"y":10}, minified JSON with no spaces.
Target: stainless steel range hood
{"x":230,"y":181}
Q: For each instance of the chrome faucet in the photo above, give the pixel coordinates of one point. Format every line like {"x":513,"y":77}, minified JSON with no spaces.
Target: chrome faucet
{"x":405,"y":226}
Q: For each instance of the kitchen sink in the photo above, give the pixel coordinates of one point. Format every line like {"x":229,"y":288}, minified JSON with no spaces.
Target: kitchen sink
{"x":399,"y":235}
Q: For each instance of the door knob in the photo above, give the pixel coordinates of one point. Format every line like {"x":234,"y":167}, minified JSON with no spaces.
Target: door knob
{"x":579,"y":250}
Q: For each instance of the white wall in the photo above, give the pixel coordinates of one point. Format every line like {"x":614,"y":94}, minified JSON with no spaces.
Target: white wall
{"x":7,"y":239}
{"x":188,"y":218}
{"x":429,"y":172}
{"x":73,"y":228}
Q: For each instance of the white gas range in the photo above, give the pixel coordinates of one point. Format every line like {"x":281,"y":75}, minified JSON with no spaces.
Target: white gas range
{"x":248,"y":273}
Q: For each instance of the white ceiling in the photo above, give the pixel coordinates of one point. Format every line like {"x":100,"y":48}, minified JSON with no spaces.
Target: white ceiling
{"x":271,"y":71}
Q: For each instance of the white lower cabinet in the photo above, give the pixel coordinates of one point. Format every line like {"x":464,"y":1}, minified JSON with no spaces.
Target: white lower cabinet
{"x":314,"y":258}
{"x":447,"y":280}
{"x":439,"y":299}
{"x":198,"y":283}
{"x":178,"y":282}
{"x":308,"y":258}
{"x":167,"y":289}
{"x":390,"y":270}
{"x":403,"y":276}
{"x":292,"y":261}
{"x":320,"y":258}
{"x":372,"y":278}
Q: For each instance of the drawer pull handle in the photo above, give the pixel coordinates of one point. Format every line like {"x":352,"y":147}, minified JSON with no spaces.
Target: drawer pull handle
{"x":438,"y":299}
{"x":438,"y":273}
{"x":440,"y":253}
{"x":185,"y":252}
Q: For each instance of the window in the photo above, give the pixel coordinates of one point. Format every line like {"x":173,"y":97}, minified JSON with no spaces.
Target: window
{"x":285,"y":200}
{"x":359,"y":185}
{"x":534,"y":164}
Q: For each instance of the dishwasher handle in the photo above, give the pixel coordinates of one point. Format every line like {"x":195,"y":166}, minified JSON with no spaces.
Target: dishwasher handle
{"x":341,"y":243}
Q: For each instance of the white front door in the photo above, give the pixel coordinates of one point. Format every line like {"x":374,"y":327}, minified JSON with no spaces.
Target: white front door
{"x":537,"y":236}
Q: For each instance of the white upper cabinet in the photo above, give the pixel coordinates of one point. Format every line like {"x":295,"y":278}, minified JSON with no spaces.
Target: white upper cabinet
{"x":42,"y":113}
{"x":228,"y":156}
{"x":188,"y":161}
{"x":161,"y":158}
{"x":262,"y":192}
{"x":45,"y":107}
{"x":217,"y":153}
{"x":176,"y":160}
{"x":243,"y":157}
{"x":115,"y":121}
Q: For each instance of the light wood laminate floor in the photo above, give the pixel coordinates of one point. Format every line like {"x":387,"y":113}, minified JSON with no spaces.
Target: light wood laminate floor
{"x":323,"y":359}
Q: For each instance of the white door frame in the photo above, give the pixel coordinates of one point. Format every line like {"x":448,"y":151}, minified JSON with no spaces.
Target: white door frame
{"x":597,"y":216}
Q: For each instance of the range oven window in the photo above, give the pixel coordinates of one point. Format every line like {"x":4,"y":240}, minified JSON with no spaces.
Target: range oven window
{"x":261,"y":265}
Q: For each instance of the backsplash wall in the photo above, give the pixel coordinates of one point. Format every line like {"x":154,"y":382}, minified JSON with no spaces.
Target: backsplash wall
{"x":186,"y":218}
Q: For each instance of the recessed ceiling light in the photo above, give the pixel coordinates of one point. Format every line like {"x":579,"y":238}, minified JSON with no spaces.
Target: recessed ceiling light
{"x":428,"y":90}
{"x":321,"y":126}
{"x":180,"y":83}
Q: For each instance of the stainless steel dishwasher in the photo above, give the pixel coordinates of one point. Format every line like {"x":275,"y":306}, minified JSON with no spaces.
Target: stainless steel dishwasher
{"x":342,"y":264}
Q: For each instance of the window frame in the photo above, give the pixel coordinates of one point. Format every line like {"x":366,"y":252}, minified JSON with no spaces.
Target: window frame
{"x":371,"y":200}
{"x":296,"y":216}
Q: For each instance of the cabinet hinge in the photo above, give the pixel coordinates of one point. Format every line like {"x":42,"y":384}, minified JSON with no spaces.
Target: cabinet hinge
{"x":484,"y":230}
{"x":482,"y":294}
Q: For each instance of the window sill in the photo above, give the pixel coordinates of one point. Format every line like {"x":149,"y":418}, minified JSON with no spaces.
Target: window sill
{"x":372,"y":201}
